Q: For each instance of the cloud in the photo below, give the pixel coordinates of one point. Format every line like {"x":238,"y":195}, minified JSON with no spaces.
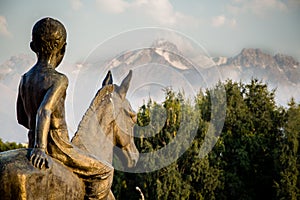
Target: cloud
{"x":232,"y":22}
{"x":3,"y":27}
{"x":261,"y":6}
{"x":221,"y":20}
{"x":293,"y":4}
{"x":76,"y":4}
{"x":160,"y":11}
{"x":218,"y":21}
{"x":112,"y":6}
{"x":257,"y":7}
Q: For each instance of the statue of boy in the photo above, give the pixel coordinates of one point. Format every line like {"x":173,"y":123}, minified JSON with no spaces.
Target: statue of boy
{"x":41,"y":109}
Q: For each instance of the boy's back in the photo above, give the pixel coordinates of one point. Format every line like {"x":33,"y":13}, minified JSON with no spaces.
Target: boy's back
{"x":33,"y":88}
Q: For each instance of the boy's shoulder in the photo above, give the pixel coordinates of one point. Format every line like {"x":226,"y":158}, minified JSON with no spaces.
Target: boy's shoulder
{"x":60,"y":77}
{"x":54,"y":76}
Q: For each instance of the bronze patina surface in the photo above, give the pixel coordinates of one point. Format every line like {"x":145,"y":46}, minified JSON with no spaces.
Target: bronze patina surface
{"x":54,"y":167}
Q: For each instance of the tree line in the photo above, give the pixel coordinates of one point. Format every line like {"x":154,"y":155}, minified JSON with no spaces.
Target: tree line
{"x":256,"y":156}
{"x":5,"y":146}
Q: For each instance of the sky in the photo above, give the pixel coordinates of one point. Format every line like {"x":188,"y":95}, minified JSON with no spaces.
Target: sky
{"x":222,"y":27}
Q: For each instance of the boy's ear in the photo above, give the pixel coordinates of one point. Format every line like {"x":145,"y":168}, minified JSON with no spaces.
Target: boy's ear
{"x":63,"y":49}
{"x":32,"y":46}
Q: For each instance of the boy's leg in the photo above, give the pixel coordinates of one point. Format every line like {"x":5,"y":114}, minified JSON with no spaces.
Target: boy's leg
{"x":99,"y":187}
{"x":30,"y":139}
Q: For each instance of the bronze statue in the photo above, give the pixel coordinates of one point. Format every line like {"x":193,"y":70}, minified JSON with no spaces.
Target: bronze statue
{"x":108,"y":121}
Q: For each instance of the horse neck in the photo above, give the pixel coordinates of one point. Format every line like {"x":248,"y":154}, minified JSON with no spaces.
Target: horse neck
{"x":95,"y":133}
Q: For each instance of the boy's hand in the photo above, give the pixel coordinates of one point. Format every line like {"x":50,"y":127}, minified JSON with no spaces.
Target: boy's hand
{"x":40,"y":159}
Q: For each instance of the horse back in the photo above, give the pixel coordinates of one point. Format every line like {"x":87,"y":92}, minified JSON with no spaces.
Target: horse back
{"x":20,"y":180}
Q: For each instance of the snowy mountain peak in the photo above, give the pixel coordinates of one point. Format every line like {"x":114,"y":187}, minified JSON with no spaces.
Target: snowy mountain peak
{"x":220,"y":60}
{"x":161,"y":52}
{"x":165,"y":45}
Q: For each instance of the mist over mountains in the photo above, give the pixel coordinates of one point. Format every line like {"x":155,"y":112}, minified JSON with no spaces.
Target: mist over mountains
{"x":160,"y":65}
{"x":280,"y":72}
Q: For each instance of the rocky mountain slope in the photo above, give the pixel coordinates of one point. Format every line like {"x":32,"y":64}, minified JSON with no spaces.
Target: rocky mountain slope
{"x":155,"y":67}
{"x":258,"y":64}
{"x":280,"y":72}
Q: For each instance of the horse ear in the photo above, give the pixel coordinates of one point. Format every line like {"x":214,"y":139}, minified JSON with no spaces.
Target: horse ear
{"x":108,"y":80}
{"x":122,"y":90}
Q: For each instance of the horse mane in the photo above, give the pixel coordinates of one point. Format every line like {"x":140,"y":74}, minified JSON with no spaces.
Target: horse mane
{"x":84,"y":124}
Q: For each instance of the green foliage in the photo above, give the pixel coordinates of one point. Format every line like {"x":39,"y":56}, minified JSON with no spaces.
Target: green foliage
{"x":288,"y":186}
{"x":5,"y":146}
{"x":255,"y":157}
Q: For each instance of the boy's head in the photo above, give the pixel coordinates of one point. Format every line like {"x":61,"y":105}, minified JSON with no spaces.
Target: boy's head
{"x":48,"y":37}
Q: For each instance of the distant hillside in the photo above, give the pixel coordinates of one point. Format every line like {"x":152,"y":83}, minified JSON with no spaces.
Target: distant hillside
{"x":160,"y":65}
{"x":280,"y":71}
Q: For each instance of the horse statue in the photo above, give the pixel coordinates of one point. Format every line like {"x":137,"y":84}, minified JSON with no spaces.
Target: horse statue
{"x":108,"y":122}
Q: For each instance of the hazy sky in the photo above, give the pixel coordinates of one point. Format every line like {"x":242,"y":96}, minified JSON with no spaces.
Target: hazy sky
{"x":222,"y":27}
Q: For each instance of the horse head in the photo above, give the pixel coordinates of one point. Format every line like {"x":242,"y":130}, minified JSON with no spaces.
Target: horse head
{"x":109,"y":122}
{"x":124,"y":119}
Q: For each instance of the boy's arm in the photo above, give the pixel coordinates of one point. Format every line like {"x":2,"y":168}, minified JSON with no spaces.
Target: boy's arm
{"x":46,"y":108}
{"x":43,"y":118}
{"x":21,"y":114}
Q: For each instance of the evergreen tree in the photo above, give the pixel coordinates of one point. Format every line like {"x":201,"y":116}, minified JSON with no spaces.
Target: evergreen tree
{"x":287,"y":187}
{"x":255,"y":157}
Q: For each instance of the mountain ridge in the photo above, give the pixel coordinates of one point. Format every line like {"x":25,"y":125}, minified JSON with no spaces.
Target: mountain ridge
{"x":250,"y":57}
{"x":165,"y":62}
